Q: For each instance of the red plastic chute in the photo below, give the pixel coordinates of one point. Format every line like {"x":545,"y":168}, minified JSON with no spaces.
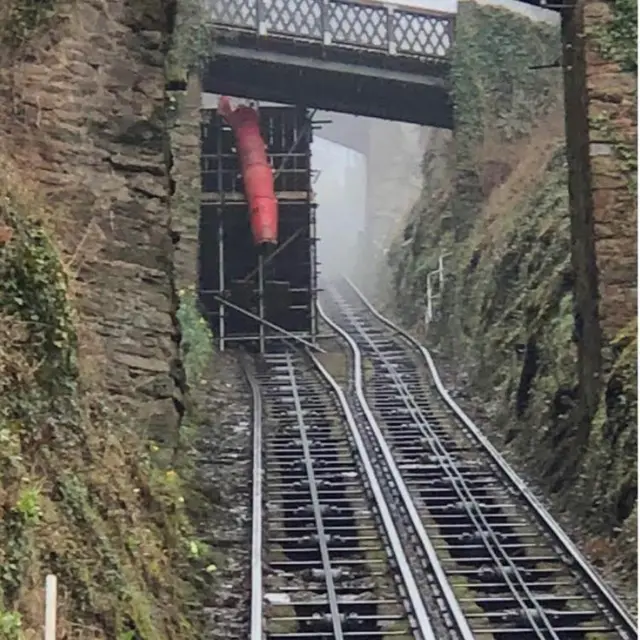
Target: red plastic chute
{"x":256,"y":171}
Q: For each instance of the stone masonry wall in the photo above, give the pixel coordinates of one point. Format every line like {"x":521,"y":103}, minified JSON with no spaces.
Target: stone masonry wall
{"x":185,"y":203}
{"x":613,"y":128}
{"x":92,"y":132}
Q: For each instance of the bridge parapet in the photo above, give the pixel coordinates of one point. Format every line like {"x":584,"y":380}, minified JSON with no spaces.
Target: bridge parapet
{"x":373,"y":27}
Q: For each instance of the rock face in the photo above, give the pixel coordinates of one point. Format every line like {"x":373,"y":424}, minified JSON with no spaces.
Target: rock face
{"x":93,"y":134}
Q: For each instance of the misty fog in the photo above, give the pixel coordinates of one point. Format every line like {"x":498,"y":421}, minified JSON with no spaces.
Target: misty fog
{"x":340,"y":191}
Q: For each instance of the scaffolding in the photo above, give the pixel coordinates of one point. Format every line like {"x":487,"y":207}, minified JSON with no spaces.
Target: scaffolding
{"x":249,"y":296}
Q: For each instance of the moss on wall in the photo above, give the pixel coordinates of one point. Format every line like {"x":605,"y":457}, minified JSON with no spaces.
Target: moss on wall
{"x":497,"y":96}
{"x":81,"y":495}
{"x":506,"y":323}
{"x":618,"y":37}
{"x":192,"y":41}
{"x":19,"y":19}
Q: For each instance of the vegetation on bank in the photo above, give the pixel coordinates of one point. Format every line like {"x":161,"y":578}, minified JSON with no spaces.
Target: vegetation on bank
{"x":618,"y":37}
{"x":81,"y":495}
{"x":498,"y":100}
{"x":506,"y":317}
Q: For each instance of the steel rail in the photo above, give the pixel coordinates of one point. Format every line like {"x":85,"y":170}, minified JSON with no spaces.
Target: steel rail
{"x":465,"y":495}
{"x":317,"y":512}
{"x":452,"y":602}
{"x":413,"y":592}
{"x":256,"y":511}
{"x":303,"y":423}
{"x":545,"y":518}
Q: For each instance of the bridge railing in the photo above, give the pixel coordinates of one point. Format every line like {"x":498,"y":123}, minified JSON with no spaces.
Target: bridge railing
{"x":370,"y":26}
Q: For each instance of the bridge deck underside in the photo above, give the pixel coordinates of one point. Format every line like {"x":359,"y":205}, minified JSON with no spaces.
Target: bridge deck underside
{"x":345,"y":80}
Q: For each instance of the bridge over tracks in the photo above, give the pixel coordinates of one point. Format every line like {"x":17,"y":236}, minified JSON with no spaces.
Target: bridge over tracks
{"x":365,"y":58}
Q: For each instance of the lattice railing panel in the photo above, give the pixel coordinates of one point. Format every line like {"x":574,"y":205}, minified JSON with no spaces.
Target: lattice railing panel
{"x":341,"y":23}
{"x":422,"y":34}
{"x":235,"y":13}
{"x":299,"y":18}
{"x":358,"y":25}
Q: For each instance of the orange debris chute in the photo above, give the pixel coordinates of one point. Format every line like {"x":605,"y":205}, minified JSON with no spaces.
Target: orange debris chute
{"x":256,"y":171}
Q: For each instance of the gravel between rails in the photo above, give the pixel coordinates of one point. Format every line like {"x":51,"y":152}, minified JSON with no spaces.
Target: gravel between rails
{"x":223,"y":478}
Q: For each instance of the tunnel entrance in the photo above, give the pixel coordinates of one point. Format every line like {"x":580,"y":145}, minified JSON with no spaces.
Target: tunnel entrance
{"x":250,"y":296}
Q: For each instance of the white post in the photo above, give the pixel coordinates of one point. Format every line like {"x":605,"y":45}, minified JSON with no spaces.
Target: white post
{"x":51,"y":595}
{"x":441,"y":271}
{"x":429,"y":301}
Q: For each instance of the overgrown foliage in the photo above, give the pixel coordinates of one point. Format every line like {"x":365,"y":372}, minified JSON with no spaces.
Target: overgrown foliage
{"x":618,"y":37}
{"x":497,"y":96}
{"x":494,"y":88}
{"x":511,"y":298}
{"x":80,"y":493}
{"x":192,"y":40}
{"x":197,"y":340}
{"x":33,"y":291}
{"x":20,"y":18}
{"x":613,"y":481}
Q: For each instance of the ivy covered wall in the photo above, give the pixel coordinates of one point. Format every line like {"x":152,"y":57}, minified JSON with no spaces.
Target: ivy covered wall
{"x":506,"y":325}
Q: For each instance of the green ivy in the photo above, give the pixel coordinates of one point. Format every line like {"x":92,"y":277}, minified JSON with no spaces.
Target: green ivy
{"x":197,"y":341}
{"x":493,"y":86}
{"x":23,"y":17}
{"x":33,"y":291}
{"x":10,"y":626}
{"x":496,"y":94}
{"x":618,"y":38}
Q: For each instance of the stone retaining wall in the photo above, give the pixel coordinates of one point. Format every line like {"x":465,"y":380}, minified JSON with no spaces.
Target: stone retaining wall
{"x":87,"y":123}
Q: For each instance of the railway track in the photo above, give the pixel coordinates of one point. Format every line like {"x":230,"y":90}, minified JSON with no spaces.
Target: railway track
{"x":380,"y":511}
{"x":326,"y":561}
{"x":500,"y":566}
